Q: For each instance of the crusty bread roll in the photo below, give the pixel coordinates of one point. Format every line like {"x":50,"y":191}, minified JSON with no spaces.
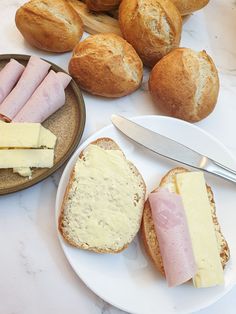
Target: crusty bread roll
{"x":148,"y":233}
{"x":102,"y":5}
{"x":50,"y":25}
{"x":95,"y":23}
{"x":106,"y":65}
{"x":188,"y":6}
{"x":152,"y":27}
{"x":102,"y":212}
{"x":185,"y":84}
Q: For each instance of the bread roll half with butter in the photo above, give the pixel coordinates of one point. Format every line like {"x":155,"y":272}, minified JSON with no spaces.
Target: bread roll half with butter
{"x":50,"y":25}
{"x":103,"y":203}
{"x":189,"y":6}
{"x":148,"y":231}
{"x":185,"y":84}
{"x":152,"y":27}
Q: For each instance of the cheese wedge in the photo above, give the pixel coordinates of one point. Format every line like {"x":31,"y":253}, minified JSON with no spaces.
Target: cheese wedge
{"x":21,"y":158}
{"x":192,"y":188}
{"x":25,"y":135}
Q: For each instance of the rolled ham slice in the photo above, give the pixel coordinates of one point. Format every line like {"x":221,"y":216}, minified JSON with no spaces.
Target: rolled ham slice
{"x":9,"y":75}
{"x":173,"y":236}
{"x":34,"y":73}
{"x":47,"y":99}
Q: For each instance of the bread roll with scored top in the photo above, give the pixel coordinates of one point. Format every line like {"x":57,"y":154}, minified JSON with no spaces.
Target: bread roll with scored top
{"x":50,"y":25}
{"x":103,"y":213}
{"x":189,"y":6}
{"x":152,"y":27}
{"x":148,"y":233}
{"x":185,"y":84}
{"x":106,"y":65}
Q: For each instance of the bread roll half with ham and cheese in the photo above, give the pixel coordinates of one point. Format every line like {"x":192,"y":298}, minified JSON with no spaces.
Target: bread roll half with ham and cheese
{"x":172,"y":247}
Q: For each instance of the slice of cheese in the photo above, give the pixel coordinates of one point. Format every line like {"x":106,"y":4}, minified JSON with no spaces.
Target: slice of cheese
{"x":192,"y":188}
{"x":46,"y":138}
{"x":24,"y":172}
{"x":19,"y":134}
{"x":21,"y":158}
{"x":25,"y":135}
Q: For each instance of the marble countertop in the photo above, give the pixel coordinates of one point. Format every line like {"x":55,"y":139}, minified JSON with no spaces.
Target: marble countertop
{"x":35,"y":275}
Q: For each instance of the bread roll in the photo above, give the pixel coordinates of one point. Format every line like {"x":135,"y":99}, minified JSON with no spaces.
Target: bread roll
{"x":103,"y":204}
{"x":50,"y":25}
{"x":185,"y":84}
{"x":188,"y":6}
{"x":102,"y":5}
{"x":106,"y":65}
{"x":152,"y":27}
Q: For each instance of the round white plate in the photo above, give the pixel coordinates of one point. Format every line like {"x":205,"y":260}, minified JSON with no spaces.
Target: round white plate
{"x":128,"y":280}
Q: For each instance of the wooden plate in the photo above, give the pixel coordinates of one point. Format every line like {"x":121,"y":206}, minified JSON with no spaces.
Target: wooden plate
{"x":67,"y":124}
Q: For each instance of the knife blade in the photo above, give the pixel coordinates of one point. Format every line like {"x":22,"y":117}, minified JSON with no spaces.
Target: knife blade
{"x":171,"y":149}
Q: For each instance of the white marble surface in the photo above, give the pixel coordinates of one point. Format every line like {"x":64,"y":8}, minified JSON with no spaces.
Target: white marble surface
{"x":35,"y":276}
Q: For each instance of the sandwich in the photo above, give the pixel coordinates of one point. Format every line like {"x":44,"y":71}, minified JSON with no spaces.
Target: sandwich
{"x":181,"y":232}
{"x":103,"y":203}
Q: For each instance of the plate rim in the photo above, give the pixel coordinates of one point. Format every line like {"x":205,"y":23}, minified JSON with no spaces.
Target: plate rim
{"x":57,"y":208}
{"x":76,"y":138}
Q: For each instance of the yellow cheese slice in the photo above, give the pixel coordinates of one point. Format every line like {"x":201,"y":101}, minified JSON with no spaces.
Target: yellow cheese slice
{"x":46,"y":138}
{"x":192,"y":188}
{"x":25,"y":135}
{"x":19,"y":134}
{"x":21,"y":158}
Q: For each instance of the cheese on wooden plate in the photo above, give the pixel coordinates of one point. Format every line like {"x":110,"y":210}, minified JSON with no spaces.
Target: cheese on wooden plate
{"x":192,"y":188}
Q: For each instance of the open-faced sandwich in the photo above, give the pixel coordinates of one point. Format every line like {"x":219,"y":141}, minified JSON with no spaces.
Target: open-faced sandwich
{"x":103,"y":204}
{"x":181,"y":232}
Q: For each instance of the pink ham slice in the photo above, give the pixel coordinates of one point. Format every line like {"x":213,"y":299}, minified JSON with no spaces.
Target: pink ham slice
{"x":47,"y":99}
{"x":9,"y":75}
{"x":34,"y":73}
{"x":173,"y":236}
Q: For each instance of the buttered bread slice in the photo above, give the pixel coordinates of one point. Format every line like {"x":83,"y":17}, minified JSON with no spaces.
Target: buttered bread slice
{"x":104,"y":200}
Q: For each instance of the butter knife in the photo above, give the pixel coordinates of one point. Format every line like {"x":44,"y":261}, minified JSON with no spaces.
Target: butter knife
{"x":171,"y":149}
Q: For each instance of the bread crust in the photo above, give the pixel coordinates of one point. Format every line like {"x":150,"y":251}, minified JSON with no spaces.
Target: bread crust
{"x":95,"y":23}
{"x":189,"y":6}
{"x":106,"y":65}
{"x":49,"y":25}
{"x":152,"y":27}
{"x":185,"y":84}
{"x":102,"y":5}
{"x":105,"y":143}
{"x":148,"y":233}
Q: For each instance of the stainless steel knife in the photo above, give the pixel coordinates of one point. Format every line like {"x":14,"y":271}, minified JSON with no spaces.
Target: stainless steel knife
{"x":171,"y":149}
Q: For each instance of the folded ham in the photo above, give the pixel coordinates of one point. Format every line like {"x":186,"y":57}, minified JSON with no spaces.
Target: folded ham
{"x":34,"y":73}
{"x":173,"y":236}
{"x":47,"y":99}
{"x":9,"y":75}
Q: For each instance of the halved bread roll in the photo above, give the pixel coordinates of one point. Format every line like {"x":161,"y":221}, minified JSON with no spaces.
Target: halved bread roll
{"x":148,"y":233}
{"x":103,"y":203}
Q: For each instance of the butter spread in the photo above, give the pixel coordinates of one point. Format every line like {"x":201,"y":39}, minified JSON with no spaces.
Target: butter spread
{"x":105,"y":199}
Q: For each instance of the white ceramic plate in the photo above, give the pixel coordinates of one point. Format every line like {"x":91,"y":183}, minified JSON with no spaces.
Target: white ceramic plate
{"x":128,"y":279}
